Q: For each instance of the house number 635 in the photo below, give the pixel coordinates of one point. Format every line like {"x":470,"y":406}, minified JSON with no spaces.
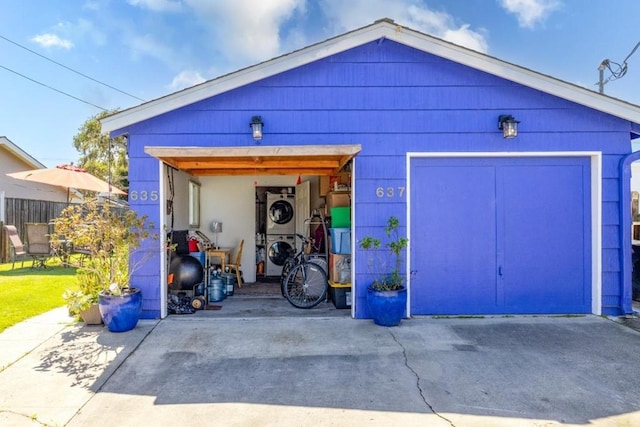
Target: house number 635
{"x":389,"y":192}
{"x":144,"y":195}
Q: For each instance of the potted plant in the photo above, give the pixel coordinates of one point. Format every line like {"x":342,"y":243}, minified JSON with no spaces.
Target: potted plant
{"x":111,"y":238}
{"x":387,"y":294}
{"x":83,"y":302}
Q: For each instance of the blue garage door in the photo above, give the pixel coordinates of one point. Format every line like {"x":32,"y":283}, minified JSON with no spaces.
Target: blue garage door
{"x":500,"y":235}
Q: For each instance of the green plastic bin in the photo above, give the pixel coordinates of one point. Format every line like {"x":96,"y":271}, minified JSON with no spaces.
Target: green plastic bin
{"x":341,"y":217}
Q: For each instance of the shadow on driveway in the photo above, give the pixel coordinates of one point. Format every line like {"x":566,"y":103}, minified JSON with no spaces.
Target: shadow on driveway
{"x":311,"y":371}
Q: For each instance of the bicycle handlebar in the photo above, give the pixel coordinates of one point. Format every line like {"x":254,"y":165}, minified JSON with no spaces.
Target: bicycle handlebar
{"x":306,"y":240}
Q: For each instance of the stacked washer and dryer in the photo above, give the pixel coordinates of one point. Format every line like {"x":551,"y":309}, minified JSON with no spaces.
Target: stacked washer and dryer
{"x":281,"y":229}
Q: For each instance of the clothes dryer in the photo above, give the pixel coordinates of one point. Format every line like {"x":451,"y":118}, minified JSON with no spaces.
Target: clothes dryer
{"x":281,"y":216}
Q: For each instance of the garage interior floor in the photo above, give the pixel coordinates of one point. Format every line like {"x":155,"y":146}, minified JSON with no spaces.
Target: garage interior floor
{"x":269,"y":287}
{"x":263,"y":299}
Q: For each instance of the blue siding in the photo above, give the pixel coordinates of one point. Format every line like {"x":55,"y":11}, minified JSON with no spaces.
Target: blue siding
{"x":392,"y":99}
{"x":143,"y":182}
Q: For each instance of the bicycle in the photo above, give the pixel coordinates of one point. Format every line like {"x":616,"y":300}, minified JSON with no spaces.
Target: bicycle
{"x":294,"y":259}
{"x":305,"y":284}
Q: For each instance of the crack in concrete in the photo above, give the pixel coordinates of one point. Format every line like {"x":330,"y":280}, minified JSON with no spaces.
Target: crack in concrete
{"x":422,"y":396}
{"x":32,"y":418}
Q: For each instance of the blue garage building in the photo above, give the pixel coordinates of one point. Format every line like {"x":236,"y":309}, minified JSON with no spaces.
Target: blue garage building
{"x":535,"y":224}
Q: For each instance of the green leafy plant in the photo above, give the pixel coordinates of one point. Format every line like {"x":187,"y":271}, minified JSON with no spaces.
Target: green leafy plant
{"x":111,"y":239}
{"x":385,"y":261}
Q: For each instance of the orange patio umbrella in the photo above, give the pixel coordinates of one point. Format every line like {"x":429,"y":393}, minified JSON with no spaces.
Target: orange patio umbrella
{"x":68,"y":176}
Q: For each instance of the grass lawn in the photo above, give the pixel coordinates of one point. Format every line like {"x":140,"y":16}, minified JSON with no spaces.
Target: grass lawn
{"x":27,"y":292}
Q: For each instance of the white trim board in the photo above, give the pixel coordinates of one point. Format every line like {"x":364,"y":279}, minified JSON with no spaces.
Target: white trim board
{"x":596,"y":209}
{"x":162,"y":211}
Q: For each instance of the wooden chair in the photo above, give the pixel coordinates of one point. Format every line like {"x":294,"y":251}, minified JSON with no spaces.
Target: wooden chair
{"x":38,"y":245}
{"x":84,"y":253}
{"x":234,"y":266}
{"x":17,"y":247}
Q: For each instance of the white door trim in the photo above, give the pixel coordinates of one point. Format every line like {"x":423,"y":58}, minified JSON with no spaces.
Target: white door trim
{"x":164,"y":287}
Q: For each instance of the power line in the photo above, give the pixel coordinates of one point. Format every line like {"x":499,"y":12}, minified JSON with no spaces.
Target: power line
{"x":71,"y":69}
{"x":52,"y":88}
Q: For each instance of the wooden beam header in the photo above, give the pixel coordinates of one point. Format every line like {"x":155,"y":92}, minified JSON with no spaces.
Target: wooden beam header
{"x":259,"y":160}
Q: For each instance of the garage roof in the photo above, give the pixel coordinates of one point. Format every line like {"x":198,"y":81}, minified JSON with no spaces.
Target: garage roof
{"x":325,"y":160}
{"x":379,"y":30}
{"x":289,"y":160}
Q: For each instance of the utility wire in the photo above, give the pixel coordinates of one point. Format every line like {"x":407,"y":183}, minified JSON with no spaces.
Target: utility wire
{"x":634,"y":49}
{"x":617,"y":72}
{"x":52,"y":88}
{"x":71,"y":69}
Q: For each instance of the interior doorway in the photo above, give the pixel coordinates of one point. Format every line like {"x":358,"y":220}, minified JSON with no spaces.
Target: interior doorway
{"x":275,"y":229}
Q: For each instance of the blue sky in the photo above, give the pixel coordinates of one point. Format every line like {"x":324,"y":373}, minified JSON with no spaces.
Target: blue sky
{"x":150,"y":48}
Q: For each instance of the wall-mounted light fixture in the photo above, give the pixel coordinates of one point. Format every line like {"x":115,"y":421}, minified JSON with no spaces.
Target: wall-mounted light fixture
{"x":508,"y":125}
{"x":256,"y":127}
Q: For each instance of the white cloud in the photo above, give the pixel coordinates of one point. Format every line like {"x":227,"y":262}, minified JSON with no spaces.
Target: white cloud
{"x":463,"y":36}
{"x":239,"y":33}
{"x":91,"y":5}
{"x":246,"y":31}
{"x":186,"y":79}
{"x":157,"y":5}
{"x":52,"y":40}
{"x":349,"y":15}
{"x":63,"y":35}
{"x":147,"y":45}
{"x":441,"y":24}
{"x":530,"y":12}
{"x":85,"y":29}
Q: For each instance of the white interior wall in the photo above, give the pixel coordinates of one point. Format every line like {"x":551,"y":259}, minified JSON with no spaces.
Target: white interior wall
{"x":232,"y":201}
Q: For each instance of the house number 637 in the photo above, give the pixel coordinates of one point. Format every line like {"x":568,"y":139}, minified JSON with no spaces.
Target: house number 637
{"x":389,"y":192}
{"x":144,"y":195}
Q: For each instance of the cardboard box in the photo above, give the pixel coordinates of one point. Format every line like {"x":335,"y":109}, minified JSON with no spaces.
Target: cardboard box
{"x":335,"y":265}
{"x":323,"y":185}
{"x":328,"y":183}
{"x":340,"y":294}
{"x":337,"y":198}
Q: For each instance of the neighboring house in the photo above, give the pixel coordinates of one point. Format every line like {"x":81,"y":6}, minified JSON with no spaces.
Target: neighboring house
{"x":536,"y":224}
{"x":635,"y":177}
{"x":14,"y":159}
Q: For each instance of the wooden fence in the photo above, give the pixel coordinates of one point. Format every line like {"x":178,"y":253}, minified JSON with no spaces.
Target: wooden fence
{"x":20,"y":211}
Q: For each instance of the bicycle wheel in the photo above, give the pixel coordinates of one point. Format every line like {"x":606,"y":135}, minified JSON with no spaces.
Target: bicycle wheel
{"x":286,"y":268}
{"x":305,"y":285}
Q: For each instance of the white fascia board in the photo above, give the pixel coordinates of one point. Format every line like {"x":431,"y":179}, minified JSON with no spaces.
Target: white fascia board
{"x":377,"y":31}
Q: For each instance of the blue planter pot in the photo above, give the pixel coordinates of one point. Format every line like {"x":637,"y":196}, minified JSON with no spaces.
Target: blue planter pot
{"x":387,"y":308}
{"x":121,"y":312}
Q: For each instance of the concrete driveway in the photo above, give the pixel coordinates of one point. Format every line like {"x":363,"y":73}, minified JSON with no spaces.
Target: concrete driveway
{"x":217,"y":369}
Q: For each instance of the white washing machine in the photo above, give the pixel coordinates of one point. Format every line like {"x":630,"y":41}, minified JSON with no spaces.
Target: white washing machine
{"x":281,"y":215}
{"x":279,"y":248}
